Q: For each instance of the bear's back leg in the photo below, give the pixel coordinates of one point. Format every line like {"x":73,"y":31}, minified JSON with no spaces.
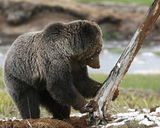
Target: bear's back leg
{"x":58,"y":111}
{"x":28,"y":105}
{"x":24,"y":96}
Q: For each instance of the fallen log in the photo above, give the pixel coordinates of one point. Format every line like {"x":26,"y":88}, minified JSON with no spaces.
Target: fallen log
{"x":105,"y":94}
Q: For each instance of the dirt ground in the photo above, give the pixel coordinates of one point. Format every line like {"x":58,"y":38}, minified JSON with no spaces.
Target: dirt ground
{"x":83,"y":122}
{"x":45,"y":123}
{"x":73,"y":122}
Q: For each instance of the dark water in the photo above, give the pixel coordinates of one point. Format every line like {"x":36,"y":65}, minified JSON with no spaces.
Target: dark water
{"x":145,"y":62}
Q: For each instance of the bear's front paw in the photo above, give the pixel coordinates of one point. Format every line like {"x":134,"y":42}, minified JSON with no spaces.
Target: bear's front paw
{"x":116,"y":93}
{"x":90,"y":107}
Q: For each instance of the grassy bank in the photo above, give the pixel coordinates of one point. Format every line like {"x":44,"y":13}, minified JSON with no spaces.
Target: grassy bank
{"x":138,"y":2}
{"x":136,"y":81}
{"x":142,"y":95}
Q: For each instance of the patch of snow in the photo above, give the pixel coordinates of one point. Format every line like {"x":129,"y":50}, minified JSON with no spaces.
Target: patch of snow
{"x":131,"y":110}
{"x":158,"y":109}
{"x":6,"y":118}
{"x":145,"y":118}
{"x":126,"y":115}
{"x":12,"y":119}
{"x":140,"y":117}
{"x":114,"y":124}
{"x":78,"y":114}
{"x":146,"y":122}
{"x":146,"y":110}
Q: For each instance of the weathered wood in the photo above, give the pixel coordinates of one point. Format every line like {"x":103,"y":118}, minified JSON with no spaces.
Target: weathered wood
{"x":105,"y":94}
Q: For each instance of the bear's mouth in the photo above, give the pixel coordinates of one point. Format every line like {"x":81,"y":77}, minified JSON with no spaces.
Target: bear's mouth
{"x":93,"y":62}
{"x":93,"y":59}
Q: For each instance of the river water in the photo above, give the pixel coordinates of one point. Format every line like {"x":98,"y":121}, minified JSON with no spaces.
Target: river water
{"x":144,"y":63}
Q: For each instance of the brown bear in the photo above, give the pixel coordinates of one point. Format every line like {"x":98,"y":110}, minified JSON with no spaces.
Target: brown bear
{"x":49,"y":68}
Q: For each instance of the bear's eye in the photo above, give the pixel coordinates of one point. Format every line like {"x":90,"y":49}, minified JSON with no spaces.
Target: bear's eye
{"x":92,"y":58}
{"x":89,"y":56}
{"x":98,"y":51}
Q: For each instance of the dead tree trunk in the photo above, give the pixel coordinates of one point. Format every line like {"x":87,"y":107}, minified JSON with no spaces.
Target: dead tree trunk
{"x":105,"y":94}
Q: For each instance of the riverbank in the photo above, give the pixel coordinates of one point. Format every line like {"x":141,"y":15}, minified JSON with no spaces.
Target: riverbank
{"x":118,"y":21}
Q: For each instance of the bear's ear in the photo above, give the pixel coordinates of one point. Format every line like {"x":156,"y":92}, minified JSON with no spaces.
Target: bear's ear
{"x":88,"y":29}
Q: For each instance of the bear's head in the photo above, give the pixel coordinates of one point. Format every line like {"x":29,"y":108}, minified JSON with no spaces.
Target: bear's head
{"x":88,"y":43}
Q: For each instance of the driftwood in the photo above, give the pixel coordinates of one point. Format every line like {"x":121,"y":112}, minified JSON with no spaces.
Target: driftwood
{"x":105,"y":94}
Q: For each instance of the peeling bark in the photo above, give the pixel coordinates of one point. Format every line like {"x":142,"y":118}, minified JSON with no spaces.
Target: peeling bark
{"x":105,"y":94}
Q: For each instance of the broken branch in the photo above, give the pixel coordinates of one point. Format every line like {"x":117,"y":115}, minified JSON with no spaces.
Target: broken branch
{"x":105,"y":94}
